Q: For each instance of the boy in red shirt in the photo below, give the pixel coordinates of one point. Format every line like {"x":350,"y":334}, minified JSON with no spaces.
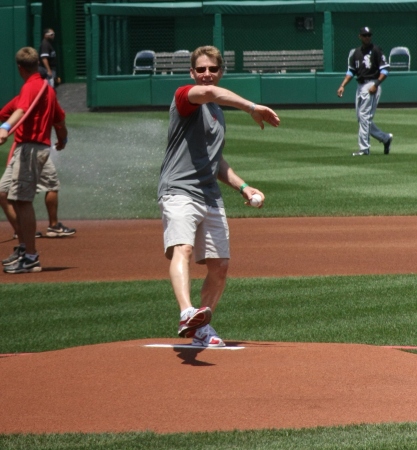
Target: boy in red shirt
{"x":33,"y":139}
{"x":49,"y":183}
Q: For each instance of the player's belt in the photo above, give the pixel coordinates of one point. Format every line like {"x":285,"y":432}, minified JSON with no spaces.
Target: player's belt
{"x":366,"y":81}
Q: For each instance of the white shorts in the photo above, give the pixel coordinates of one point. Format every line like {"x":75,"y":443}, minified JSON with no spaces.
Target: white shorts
{"x":204,"y":227}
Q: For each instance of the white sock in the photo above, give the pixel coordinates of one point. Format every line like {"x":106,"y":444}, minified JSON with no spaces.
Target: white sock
{"x":186,"y":312}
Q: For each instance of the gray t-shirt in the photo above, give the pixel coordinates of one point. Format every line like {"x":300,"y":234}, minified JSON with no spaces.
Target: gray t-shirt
{"x":193,"y":154}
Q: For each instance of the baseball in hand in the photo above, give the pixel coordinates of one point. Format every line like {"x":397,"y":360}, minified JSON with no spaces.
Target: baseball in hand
{"x":256,"y":200}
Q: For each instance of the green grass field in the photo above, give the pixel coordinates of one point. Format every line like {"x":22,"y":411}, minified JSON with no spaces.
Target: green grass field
{"x":305,"y":168}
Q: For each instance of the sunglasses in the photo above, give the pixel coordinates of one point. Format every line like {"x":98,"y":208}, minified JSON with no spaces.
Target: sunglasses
{"x":212,"y":69}
{"x":367,"y":35}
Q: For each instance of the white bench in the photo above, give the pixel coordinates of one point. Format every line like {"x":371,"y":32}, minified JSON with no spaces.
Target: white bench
{"x":179,"y":62}
{"x":229,"y":60}
{"x":282,"y":60}
{"x":172,"y":62}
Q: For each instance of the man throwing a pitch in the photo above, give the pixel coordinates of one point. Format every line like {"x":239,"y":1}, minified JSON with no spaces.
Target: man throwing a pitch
{"x":369,"y":65}
{"x":189,"y":196}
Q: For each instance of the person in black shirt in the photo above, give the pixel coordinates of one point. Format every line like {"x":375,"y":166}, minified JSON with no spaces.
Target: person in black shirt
{"x":47,"y":58}
{"x":369,"y":65}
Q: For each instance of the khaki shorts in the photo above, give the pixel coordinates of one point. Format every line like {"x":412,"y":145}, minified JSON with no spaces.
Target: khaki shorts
{"x":26,"y":166}
{"x":186,"y":221}
{"x":48,"y":180}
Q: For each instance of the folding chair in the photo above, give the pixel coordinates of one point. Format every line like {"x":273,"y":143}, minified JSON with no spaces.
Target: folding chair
{"x":144,"y":62}
{"x":400,"y":58}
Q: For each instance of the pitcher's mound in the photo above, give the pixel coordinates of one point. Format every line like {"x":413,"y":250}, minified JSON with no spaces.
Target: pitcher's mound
{"x":131,"y":386}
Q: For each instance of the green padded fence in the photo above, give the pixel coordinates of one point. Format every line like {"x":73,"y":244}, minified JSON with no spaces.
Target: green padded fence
{"x":118,"y":31}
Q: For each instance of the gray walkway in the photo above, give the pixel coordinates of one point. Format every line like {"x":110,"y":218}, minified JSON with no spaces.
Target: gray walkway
{"x":73,"y":97}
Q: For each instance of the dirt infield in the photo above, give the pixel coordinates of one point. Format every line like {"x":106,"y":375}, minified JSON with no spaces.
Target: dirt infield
{"x":126,"y":386}
{"x":132,"y":250}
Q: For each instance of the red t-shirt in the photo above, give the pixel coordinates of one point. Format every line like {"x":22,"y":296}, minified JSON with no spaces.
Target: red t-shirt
{"x":37,"y":126}
{"x":7,"y":110}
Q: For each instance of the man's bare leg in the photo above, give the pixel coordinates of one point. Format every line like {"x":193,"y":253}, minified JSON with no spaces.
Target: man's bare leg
{"x":9,"y":211}
{"x":51,"y":203}
{"x":26,"y":223}
{"x":211,"y":292}
{"x":179,"y":272}
{"x":215,"y":282}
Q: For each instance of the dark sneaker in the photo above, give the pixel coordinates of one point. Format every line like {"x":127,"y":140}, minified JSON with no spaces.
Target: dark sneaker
{"x":387,"y":145}
{"x":59,"y":230}
{"x":24,"y":265}
{"x":360,"y":153}
{"x":18,"y":253}
{"x":38,"y":234}
{"x":195,"y":319}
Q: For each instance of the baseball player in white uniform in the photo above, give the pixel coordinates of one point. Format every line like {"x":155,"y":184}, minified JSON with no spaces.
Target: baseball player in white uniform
{"x":369,"y":65}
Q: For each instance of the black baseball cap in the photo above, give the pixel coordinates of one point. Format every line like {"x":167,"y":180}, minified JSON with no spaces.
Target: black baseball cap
{"x":365,"y":30}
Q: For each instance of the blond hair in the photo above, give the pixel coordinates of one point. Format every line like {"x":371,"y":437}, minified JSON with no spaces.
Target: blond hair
{"x":27,"y":58}
{"x":207,"y":50}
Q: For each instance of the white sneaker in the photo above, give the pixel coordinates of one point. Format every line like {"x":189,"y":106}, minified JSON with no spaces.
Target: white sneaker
{"x":207,"y":337}
{"x":195,"y":319}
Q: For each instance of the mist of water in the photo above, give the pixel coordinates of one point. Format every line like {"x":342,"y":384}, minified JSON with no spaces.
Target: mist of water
{"x":109,"y":172}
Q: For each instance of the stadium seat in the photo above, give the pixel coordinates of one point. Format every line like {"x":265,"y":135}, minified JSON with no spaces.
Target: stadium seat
{"x":400,"y":58}
{"x":144,"y":62}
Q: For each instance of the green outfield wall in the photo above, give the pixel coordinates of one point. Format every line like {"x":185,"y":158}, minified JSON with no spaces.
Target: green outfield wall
{"x":269,"y":89}
{"x":96,"y":43}
{"x":14,"y":15}
{"x":20,"y":26}
{"x":115,"y":32}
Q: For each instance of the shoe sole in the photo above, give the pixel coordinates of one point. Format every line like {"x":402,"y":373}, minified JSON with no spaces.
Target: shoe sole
{"x":190,"y":333}
{"x":31,"y":270}
{"x":7,"y":262}
{"x":37,"y":235}
{"x":199,"y":320}
{"x":217,"y":345}
{"x":53,"y":234}
{"x":201,"y":345}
